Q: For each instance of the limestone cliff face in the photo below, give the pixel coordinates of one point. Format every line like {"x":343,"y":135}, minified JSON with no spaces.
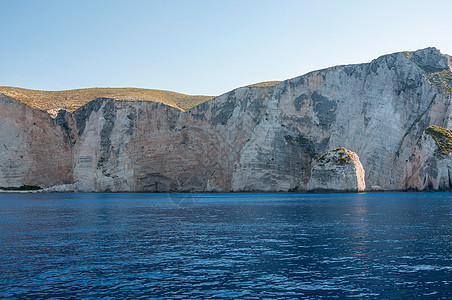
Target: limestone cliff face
{"x":337,"y":170}
{"x":34,"y":149}
{"x":430,"y":165}
{"x":142,"y":146}
{"x":378,"y":109}
{"x":250,"y":139}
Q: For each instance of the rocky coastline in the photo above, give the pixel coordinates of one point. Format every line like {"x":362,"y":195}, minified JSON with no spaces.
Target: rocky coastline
{"x":378,"y":126}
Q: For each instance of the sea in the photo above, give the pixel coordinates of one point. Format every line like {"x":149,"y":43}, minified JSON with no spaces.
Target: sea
{"x":231,"y":245}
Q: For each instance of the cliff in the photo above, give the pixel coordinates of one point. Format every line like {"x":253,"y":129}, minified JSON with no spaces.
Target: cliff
{"x":34,"y":150}
{"x":70,"y":100}
{"x":255,"y":138}
{"x":430,"y":165}
{"x":337,"y":170}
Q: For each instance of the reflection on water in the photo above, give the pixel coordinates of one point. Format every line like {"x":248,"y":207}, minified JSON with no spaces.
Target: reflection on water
{"x":226,"y":245}
{"x":359,"y":220}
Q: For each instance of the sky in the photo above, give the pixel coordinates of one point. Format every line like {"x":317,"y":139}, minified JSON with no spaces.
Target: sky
{"x":204,"y":47}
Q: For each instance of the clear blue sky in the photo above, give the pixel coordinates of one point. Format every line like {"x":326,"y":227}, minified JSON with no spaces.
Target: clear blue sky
{"x":204,"y":47}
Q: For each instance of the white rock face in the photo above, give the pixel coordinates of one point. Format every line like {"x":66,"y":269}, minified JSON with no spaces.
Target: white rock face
{"x":250,"y":139}
{"x":427,"y":168}
{"x":337,"y":170}
{"x":378,"y":109}
{"x":34,"y":149}
{"x":62,"y":188}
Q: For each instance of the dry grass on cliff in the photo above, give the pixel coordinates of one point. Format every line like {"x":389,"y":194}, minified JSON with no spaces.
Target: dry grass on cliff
{"x":72,"y":99}
{"x":264,"y":84}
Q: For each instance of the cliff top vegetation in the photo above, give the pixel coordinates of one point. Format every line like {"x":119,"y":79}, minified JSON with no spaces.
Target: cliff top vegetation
{"x":264,"y":84}
{"x":70,"y":100}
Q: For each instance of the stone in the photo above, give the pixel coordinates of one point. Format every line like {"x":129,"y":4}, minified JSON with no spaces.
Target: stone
{"x":430,"y":165}
{"x":62,"y":188}
{"x":257,"y":138}
{"x":338,"y":170}
{"x":34,"y":149}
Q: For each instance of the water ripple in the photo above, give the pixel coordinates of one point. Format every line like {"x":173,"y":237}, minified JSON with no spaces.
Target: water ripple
{"x":250,"y":246}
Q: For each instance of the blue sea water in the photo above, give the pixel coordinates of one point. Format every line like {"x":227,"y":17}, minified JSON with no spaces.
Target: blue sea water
{"x":366,"y":246}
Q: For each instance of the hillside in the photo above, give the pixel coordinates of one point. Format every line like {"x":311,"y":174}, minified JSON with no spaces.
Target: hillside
{"x":70,"y":100}
{"x":394,"y":113}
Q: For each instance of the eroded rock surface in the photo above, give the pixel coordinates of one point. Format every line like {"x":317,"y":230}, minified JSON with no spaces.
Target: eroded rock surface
{"x":337,"y":170}
{"x":250,"y":139}
{"x":430,"y":165}
{"x":34,"y":149}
